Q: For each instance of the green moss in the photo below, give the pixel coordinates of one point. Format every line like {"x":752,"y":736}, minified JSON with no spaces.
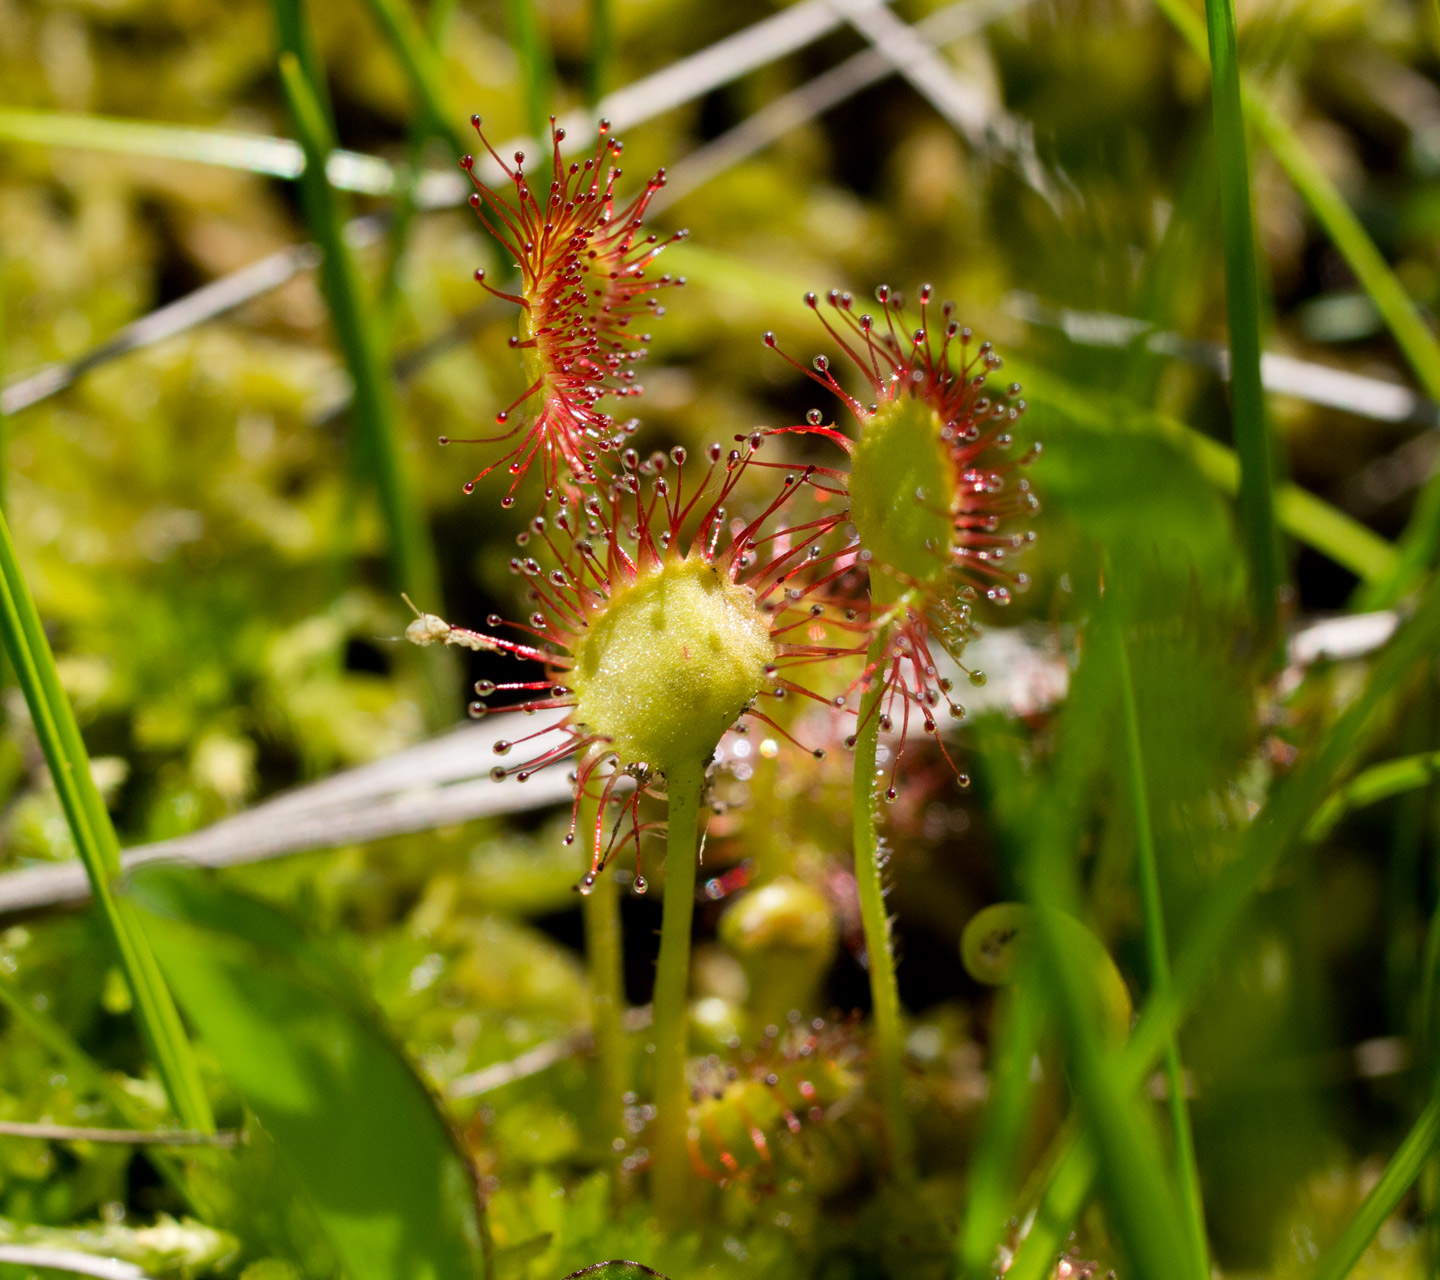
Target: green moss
{"x":902,"y":489}
{"x":671,"y":663}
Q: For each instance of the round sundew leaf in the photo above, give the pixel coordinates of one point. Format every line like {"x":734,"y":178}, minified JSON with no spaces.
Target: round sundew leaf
{"x":671,"y":662}
{"x":902,"y":490}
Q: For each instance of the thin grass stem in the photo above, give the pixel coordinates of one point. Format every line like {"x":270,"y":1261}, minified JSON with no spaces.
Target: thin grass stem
{"x":375,"y":414}
{"x":89,"y":822}
{"x":875,"y":920}
{"x":1404,"y":1167}
{"x":670,"y":1162}
{"x":602,"y":38}
{"x":1270,"y":836}
{"x":1142,"y":1203}
{"x":537,"y":75}
{"x":1140,"y":1198}
{"x":1158,"y":952}
{"x":1253,"y":442}
{"x":296,"y":39}
{"x":402,"y":212}
{"x":254,"y":153}
{"x":1420,"y":543}
{"x":1378,"y":782}
{"x":1002,"y":1130}
{"x":420,"y":60}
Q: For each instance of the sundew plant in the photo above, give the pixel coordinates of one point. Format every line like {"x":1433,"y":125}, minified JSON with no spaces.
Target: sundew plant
{"x":845,"y":687}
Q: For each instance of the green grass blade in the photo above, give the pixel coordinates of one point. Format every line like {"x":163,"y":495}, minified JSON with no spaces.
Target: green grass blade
{"x":1379,"y":782}
{"x":297,"y":39}
{"x":421,"y":64}
{"x":1139,"y":1195}
{"x":311,"y":1056}
{"x":1307,"y":518}
{"x":1420,"y":544}
{"x":1002,"y":1129}
{"x":419,"y":61}
{"x":1400,"y":1173}
{"x":602,"y":38}
{"x":1253,"y":442}
{"x":1066,"y":1195}
{"x":374,"y":411}
{"x":1395,"y":306}
{"x":1412,"y":335}
{"x":1418,"y":550}
{"x":1157,"y":949}
{"x":1272,"y":833}
{"x":537,"y":75}
{"x":1141,"y":1201}
{"x":94,"y":835}
{"x":402,"y":214}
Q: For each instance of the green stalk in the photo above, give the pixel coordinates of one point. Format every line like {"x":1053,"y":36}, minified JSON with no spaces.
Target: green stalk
{"x":374,"y":410}
{"x":1253,"y":442}
{"x":1002,"y":1129}
{"x":1395,"y":306}
{"x":89,"y":822}
{"x":537,"y":76}
{"x":604,"y":957}
{"x":1266,"y":841}
{"x":875,"y":920}
{"x":670,"y":1164}
{"x":1403,"y":1169}
{"x":602,"y":38}
{"x":1158,"y":957}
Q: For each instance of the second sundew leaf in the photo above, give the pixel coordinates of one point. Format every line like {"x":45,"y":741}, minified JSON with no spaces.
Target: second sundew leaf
{"x":309,"y":1054}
